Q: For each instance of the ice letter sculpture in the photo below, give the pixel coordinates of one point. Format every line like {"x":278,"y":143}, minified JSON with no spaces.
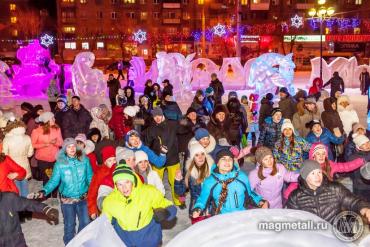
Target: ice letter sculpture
{"x":202,"y":69}
{"x":232,"y":73}
{"x":272,"y":70}
{"x":5,"y":83}
{"x":138,"y":75}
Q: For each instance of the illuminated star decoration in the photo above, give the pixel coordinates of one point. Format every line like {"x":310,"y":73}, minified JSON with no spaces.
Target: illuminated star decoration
{"x":297,"y":21}
{"x":219,"y":30}
{"x":140,"y":36}
{"x":47,"y":40}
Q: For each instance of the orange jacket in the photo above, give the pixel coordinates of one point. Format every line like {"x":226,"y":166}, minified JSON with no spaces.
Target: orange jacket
{"x":46,"y":153}
{"x":6,"y":167}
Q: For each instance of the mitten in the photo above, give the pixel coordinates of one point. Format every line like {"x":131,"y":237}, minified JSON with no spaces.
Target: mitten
{"x":160,"y":214}
{"x":52,"y":214}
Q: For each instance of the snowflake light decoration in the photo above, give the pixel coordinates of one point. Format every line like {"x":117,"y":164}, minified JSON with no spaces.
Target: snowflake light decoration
{"x":47,"y":40}
{"x":297,"y":21}
{"x":140,"y":36}
{"x":219,"y":30}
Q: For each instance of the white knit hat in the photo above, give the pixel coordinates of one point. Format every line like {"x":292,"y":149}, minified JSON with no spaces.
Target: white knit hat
{"x":359,"y":140}
{"x":90,"y":147}
{"x":81,"y":137}
{"x":196,"y":148}
{"x":45,"y":117}
{"x":287,"y":124}
{"x":131,"y":110}
{"x":123,"y":153}
{"x":140,"y":156}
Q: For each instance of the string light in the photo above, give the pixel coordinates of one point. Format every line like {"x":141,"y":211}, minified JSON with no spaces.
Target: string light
{"x":46,"y":40}
{"x":296,"y":21}
{"x":219,"y":30}
{"x":140,"y":36}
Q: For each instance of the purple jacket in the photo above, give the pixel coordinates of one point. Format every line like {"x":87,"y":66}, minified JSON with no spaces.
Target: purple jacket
{"x":271,"y":187}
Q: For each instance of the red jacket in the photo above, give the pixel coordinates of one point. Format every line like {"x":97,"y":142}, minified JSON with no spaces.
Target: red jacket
{"x":93,"y":162}
{"x":6,"y":167}
{"x":314,"y":89}
{"x":96,"y":181}
{"x":117,"y":123}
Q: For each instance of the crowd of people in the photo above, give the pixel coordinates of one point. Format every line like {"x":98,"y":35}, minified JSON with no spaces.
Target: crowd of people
{"x":111,"y":160}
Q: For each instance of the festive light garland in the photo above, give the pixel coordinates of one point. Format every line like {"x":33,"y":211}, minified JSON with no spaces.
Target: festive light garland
{"x":296,"y":21}
{"x":140,"y":36}
{"x":46,"y":40}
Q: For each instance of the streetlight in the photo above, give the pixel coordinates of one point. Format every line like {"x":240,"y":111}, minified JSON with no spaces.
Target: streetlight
{"x":201,"y":2}
{"x":322,"y":13}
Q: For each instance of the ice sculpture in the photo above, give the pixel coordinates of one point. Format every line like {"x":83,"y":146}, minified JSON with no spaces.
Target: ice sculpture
{"x":247,"y":69}
{"x":202,"y":69}
{"x":138,"y":74}
{"x":234,"y":229}
{"x":176,"y":68}
{"x":32,"y":76}
{"x":87,"y":82}
{"x":5,"y":83}
{"x":348,"y":69}
{"x":272,"y":70}
{"x":232,"y":73}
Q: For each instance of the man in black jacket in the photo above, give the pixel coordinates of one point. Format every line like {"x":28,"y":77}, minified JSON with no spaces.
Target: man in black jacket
{"x":336,"y":84}
{"x":218,"y":88}
{"x":76,"y":120}
{"x":287,"y":104}
{"x":113,"y":85}
{"x":317,"y":195}
{"x":11,"y":234}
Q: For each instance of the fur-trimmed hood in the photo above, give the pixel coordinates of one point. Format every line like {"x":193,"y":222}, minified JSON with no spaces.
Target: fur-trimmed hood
{"x":194,"y":173}
{"x":344,"y":98}
{"x":209,"y":148}
{"x":17,"y":131}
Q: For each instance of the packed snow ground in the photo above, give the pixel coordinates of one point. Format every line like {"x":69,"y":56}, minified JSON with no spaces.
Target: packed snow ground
{"x":39,"y":233}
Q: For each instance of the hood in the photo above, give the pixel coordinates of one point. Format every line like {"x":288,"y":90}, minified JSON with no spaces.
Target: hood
{"x":327,"y":105}
{"x":17,"y":131}
{"x":310,"y":153}
{"x":233,"y":105}
{"x":95,"y":113}
{"x":209,"y":148}
{"x":194,"y":173}
{"x":220,"y":108}
{"x":266,"y":101}
{"x":341,"y":99}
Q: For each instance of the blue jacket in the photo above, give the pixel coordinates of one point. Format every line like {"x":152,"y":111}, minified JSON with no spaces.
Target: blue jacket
{"x":73,"y":176}
{"x":237,"y":191}
{"x":194,"y":188}
{"x":270,"y":134}
{"x":325,"y":138}
{"x":154,"y":159}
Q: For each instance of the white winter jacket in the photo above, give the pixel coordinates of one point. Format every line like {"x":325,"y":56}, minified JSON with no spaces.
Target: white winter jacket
{"x":18,"y":146}
{"x":155,"y":180}
{"x":347,"y":115}
{"x":99,"y":123}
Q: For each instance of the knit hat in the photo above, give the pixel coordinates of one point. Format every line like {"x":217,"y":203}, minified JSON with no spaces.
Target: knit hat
{"x":275,"y":110}
{"x":209,"y":91}
{"x":69,"y":141}
{"x":232,"y":94}
{"x":123,"y":153}
{"x":62,"y":98}
{"x":307,"y":167}
{"x":89,"y":147}
{"x":261,"y":153}
{"x":190,"y":110}
{"x":140,"y":156}
{"x":223,"y":152}
{"x":131,"y":110}
{"x":287,"y":124}
{"x":157,"y":112}
{"x":244,"y":97}
{"x":123,"y":172}
{"x":27,"y":106}
{"x":284,"y":90}
{"x":365,"y":171}
{"x":312,"y":123}
{"x":108,"y":152}
{"x":81,"y":137}
{"x":359,"y":140}
{"x":357,"y":126}
{"x":76,"y":97}
{"x":315,"y":148}
{"x":44,"y":117}
{"x":194,"y":149}
{"x":269,"y":96}
{"x":131,"y":133}
{"x":200,"y":133}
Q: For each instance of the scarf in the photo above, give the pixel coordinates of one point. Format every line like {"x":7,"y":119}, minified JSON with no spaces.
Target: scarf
{"x":224,"y":192}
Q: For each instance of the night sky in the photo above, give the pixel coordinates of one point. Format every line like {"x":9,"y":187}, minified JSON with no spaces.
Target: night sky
{"x":50,"y":5}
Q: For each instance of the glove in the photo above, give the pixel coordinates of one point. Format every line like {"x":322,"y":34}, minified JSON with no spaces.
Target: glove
{"x":164,"y":149}
{"x":235,"y":151}
{"x":160,"y":214}
{"x":36,"y":195}
{"x":52,"y":214}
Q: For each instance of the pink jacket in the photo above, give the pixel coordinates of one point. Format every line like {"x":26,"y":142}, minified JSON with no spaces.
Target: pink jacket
{"x":46,"y":153}
{"x":335,"y":167}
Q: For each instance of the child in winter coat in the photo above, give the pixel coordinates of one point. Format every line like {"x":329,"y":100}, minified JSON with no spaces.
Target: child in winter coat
{"x":268,"y":178}
{"x":228,"y":187}
{"x":121,"y":99}
{"x":238,"y":123}
{"x":319,"y":152}
{"x":198,"y":168}
{"x":290,"y":149}
{"x":157,"y":95}
{"x":10,"y":171}
{"x":18,"y":146}
{"x":210,"y":97}
{"x":109,"y":164}
{"x":52,"y":93}
{"x":307,"y":111}
{"x":89,"y":151}
{"x":330,"y":117}
{"x":346,"y":113}
{"x":72,"y":174}
{"x":251,"y":119}
{"x":201,"y":104}
{"x":271,"y":130}
{"x":144,"y":169}
{"x":118,"y":124}
{"x":323,"y":135}
{"x":99,"y":123}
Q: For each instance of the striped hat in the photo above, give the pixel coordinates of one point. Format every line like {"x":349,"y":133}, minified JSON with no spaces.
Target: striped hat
{"x":123,"y":172}
{"x":317,"y":147}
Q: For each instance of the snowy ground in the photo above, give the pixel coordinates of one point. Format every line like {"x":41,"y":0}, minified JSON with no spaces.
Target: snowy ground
{"x":40,"y":234}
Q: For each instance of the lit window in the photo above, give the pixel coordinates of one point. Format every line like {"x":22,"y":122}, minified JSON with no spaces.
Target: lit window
{"x":100,"y":45}
{"x":142,"y":1}
{"x":13,"y":19}
{"x":85,"y":45}
{"x":68,"y":1}
{"x":131,"y":15}
{"x":143,"y":16}
{"x":15,"y":33}
{"x":12,"y":6}
{"x":145,"y":52}
{"x":70,"y":45}
{"x":186,"y":31}
{"x":244,"y":2}
{"x":186,"y":15}
{"x":83,"y":1}
{"x":69,"y":29}
{"x":358,"y":2}
{"x":357,"y":30}
{"x":114,"y":15}
{"x":129,"y":1}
